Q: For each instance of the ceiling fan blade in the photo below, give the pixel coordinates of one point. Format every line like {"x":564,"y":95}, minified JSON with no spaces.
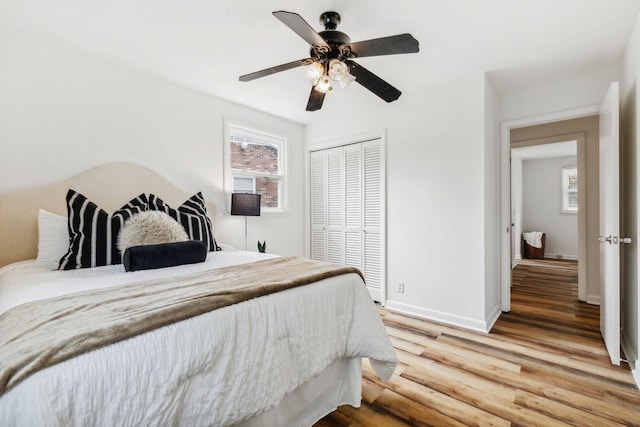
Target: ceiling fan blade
{"x":392,"y":45}
{"x":276,"y":69}
{"x":316,"y":98}
{"x":301,"y":28}
{"x":372,"y":82}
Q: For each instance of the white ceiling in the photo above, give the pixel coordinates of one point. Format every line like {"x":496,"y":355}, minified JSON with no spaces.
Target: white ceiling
{"x":206,"y":44}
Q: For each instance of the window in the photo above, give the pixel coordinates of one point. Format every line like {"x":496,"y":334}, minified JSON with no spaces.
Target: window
{"x":256,"y":165}
{"x":570,"y":189}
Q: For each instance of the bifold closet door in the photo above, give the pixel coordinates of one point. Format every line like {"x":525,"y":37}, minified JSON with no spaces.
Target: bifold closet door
{"x":347,"y":209}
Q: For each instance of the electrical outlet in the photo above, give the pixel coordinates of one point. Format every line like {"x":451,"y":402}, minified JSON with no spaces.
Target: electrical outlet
{"x":400,"y":287}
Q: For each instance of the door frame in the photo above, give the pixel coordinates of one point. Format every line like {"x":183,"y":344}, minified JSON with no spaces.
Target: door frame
{"x":505,"y":187}
{"x":581,"y":162}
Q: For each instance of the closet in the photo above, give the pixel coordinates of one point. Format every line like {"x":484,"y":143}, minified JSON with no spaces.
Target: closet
{"x":348,"y":209}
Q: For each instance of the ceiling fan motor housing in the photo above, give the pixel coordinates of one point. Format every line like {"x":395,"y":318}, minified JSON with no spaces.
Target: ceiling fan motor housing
{"x":333,"y":37}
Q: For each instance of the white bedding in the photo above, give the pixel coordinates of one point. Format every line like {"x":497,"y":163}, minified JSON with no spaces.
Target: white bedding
{"x":34,"y":280}
{"x":245,"y":357}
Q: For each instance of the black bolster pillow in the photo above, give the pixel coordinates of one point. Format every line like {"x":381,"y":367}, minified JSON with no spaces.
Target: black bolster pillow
{"x":162,"y":255}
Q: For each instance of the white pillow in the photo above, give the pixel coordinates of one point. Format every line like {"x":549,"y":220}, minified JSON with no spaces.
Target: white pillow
{"x":53,"y":236}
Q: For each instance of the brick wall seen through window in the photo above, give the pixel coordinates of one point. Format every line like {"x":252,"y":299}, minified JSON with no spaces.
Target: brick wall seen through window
{"x":261,"y":161}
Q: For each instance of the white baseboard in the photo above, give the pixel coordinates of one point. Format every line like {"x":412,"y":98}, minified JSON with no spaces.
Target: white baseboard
{"x":493,"y":316}
{"x":593,"y":299}
{"x":560,"y":256}
{"x":438,"y":316}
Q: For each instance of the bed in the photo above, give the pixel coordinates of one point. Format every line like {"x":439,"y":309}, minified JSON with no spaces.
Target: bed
{"x":283,"y":358}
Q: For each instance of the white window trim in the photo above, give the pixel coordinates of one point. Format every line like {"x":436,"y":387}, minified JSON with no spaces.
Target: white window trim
{"x":565,"y":192}
{"x":279,"y":140}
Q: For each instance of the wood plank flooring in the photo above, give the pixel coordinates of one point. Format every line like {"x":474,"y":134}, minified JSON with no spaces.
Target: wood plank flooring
{"x":544,"y":363}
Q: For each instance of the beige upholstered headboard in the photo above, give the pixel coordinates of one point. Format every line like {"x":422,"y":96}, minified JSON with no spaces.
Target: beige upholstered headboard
{"x":109,"y":186}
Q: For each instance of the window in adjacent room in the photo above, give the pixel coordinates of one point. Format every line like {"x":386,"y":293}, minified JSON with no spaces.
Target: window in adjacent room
{"x":570,"y":189}
{"x":256,"y":164}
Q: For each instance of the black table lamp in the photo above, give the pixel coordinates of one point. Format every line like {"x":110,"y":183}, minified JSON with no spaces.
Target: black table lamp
{"x":245,"y":204}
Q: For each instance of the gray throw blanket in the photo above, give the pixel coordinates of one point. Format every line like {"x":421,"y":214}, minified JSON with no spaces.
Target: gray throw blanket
{"x":42,"y":333}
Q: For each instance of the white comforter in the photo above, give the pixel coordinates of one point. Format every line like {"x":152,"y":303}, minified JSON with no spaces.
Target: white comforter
{"x":219,"y":368}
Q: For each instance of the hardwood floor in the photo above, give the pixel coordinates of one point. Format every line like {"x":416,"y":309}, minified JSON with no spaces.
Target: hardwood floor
{"x":544,"y":363}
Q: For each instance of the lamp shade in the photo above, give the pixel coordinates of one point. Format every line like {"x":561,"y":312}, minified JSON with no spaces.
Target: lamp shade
{"x":245,"y":204}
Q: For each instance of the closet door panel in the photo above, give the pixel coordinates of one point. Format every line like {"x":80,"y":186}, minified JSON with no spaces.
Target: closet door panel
{"x":372,"y":186}
{"x":335,"y":246}
{"x":373,"y":214}
{"x":353,"y":205}
{"x":335,"y":205}
{"x":318,"y":206}
{"x":373,"y":260}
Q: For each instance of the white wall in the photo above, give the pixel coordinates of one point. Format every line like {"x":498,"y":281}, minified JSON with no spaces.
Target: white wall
{"x":561,"y":95}
{"x":542,"y":206}
{"x":435,"y":197}
{"x":62,"y":112}
{"x":492,"y":228}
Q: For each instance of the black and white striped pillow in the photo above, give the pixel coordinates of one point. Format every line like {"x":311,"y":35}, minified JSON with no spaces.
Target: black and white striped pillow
{"x":192,"y":214}
{"x":93,"y":233}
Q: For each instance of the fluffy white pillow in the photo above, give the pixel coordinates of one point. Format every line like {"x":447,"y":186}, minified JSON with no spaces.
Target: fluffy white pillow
{"x":53,"y":236}
{"x":150,"y":228}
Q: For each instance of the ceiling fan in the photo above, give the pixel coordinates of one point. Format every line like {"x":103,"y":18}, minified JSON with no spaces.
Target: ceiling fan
{"x":331,"y":55}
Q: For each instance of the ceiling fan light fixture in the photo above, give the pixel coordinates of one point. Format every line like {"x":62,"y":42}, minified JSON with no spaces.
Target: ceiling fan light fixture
{"x":324,"y":85}
{"x":339,"y":73}
{"x":315,"y":70}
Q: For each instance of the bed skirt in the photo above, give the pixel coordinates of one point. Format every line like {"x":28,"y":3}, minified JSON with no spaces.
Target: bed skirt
{"x":339,"y":384}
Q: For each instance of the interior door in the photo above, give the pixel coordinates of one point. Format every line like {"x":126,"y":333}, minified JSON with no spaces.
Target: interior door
{"x":610,"y":223}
